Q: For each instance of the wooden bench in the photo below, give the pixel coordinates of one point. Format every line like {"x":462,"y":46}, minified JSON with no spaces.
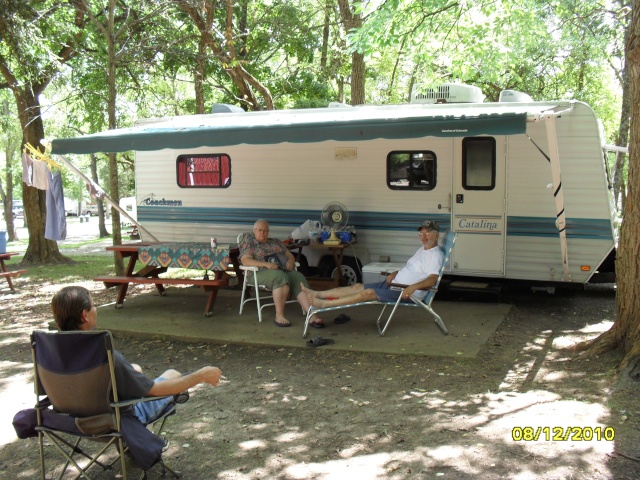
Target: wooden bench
{"x":208,"y":285}
{"x":11,"y":273}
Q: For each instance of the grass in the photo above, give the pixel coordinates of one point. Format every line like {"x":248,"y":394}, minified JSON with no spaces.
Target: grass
{"x":86,"y":268}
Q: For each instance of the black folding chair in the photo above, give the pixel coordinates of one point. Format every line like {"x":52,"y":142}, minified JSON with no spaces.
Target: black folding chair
{"x":77,"y":399}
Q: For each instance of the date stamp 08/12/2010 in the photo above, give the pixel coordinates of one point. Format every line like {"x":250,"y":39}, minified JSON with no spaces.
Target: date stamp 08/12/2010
{"x":563,"y":434}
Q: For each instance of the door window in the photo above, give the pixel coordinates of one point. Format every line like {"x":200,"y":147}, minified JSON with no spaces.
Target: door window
{"x":479,"y":163}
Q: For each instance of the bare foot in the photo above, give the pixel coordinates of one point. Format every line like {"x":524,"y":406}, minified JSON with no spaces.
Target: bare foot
{"x":317,"y":302}
{"x":310,"y":293}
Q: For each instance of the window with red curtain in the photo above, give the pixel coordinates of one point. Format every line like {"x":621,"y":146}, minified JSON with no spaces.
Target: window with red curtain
{"x":209,"y":171}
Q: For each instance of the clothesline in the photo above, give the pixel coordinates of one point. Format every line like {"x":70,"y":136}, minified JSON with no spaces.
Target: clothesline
{"x":94,"y":189}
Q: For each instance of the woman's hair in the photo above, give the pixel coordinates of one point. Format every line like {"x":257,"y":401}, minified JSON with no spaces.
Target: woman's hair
{"x":67,"y":306}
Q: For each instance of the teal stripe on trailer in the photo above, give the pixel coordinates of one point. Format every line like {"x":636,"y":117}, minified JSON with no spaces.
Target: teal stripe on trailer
{"x":284,"y":218}
{"x":584,"y":228}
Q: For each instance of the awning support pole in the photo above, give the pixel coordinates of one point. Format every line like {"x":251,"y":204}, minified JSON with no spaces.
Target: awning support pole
{"x":561,"y":221}
{"x":108,"y":199}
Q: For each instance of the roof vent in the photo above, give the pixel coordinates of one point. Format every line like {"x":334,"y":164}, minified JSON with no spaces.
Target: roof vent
{"x":507,"y":96}
{"x":225,"y":108}
{"x":446,"y":93}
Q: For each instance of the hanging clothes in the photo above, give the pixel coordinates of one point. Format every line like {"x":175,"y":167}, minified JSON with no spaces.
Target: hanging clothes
{"x":95,"y":190}
{"x":27,"y":169}
{"x":56,"y":222}
{"x":41,"y":173}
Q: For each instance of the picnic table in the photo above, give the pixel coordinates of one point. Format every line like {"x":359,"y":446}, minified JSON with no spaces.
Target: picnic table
{"x":147,"y":261}
{"x":7,"y":274}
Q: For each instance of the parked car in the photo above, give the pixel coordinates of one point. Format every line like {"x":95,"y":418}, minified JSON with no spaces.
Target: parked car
{"x":92,"y":209}
{"x":18,"y":209}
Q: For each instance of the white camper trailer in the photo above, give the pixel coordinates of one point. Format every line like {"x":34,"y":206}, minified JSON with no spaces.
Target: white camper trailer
{"x":524,"y":184}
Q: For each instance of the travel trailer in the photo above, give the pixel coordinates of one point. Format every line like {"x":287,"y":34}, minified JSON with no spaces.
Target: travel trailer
{"x":524,"y":184}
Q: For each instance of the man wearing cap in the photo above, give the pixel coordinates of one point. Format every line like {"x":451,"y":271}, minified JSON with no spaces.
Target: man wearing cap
{"x":420,"y":273}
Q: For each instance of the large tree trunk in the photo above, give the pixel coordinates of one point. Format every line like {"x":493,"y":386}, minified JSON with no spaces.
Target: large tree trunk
{"x":39,"y":250}
{"x":625,"y":333}
{"x":623,"y":132}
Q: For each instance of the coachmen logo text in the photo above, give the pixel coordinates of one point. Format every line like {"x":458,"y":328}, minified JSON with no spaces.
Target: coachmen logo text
{"x":150,"y":200}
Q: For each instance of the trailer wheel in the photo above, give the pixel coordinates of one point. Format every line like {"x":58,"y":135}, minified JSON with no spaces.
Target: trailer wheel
{"x":351,"y":272}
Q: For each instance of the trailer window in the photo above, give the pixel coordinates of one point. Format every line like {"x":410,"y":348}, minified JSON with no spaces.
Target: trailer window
{"x":209,"y":171}
{"x":479,"y":163}
{"x":411,"y":170}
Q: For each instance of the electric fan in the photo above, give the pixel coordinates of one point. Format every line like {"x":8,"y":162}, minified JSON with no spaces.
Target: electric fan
{"x":334,"y":216}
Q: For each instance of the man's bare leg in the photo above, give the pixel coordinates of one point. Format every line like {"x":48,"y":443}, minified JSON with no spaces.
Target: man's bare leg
{"x":303,"y":300}
{"x":334,"y":292}
{"x":367,"y":295}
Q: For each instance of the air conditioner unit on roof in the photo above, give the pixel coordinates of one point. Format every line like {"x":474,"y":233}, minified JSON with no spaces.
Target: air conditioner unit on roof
{"x":446,"y":93}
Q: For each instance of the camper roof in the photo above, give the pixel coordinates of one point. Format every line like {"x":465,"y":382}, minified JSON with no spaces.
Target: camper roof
{"x":312,"y":125}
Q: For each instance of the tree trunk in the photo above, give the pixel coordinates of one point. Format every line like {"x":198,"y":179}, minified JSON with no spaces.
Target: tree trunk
{"x":350,"y":22}
{"x":623,"y":131}
{"x":7,"y":196}
{"x":625,"y":332}
{"x":39,"y":250}
{"x":102,"y":229}
{"x":325,"y":34}
{"x":199,"y":75}
{"x":113,"y":123}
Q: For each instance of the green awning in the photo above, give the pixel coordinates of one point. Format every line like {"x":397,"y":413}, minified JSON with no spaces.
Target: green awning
{"x":266,"y":128}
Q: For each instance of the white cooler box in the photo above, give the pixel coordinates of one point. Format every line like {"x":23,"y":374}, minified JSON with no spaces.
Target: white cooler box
{"x":371,"y":273}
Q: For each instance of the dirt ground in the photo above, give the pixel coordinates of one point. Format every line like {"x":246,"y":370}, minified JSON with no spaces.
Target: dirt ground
{"x":305,"y":413}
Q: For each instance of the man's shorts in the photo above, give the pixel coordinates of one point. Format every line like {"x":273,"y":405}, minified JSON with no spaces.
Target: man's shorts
{"x":149,"y":411}
{"x":384,"y":293}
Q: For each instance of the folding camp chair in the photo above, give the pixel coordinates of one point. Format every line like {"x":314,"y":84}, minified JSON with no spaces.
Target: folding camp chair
{"x":77,"y":399}
{"x":251,"y":284}
{"x":447,"y":246}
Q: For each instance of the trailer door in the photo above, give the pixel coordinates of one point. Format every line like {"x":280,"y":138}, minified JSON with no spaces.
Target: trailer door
{"x":478,"y":214}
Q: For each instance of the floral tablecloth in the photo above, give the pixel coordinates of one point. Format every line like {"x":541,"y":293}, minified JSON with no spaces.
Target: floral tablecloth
{"x":184,"y":255}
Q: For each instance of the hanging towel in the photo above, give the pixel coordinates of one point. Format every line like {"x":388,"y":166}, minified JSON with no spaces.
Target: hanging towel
{"x":56,"y":224}
{"x":27,"y":169}
{"x":40,"y":175}
{"x":95,"y":190}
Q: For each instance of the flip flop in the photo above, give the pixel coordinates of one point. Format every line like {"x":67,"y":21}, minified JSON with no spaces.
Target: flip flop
{"x":317,"y":324}
{"x":342,"y":318}
{"x":283,"y":325}
{"x":319,"y":341}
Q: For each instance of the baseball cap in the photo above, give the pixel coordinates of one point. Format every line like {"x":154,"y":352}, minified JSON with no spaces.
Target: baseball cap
{"x":429,"y":225}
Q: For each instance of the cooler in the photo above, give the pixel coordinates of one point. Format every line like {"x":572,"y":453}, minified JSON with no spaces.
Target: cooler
{"x":371,"y":273}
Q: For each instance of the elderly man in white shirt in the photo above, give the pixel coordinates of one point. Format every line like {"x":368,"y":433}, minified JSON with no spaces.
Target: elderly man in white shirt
{"x":420,"y":273}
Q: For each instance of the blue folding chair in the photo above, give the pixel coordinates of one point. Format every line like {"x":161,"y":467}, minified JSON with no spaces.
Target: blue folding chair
{"x":447,"y":246}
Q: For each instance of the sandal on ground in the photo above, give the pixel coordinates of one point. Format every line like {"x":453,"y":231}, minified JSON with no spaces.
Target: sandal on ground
{"x":283,"y":325}
{"x":317,"y":324}
{"x":319,"y":341}
{"x":342,"y":318}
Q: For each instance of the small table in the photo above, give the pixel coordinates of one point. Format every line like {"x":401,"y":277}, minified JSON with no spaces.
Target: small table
{"x":9,"y":273}
{"x":337,"y":251}
{"x":156,"y":258}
